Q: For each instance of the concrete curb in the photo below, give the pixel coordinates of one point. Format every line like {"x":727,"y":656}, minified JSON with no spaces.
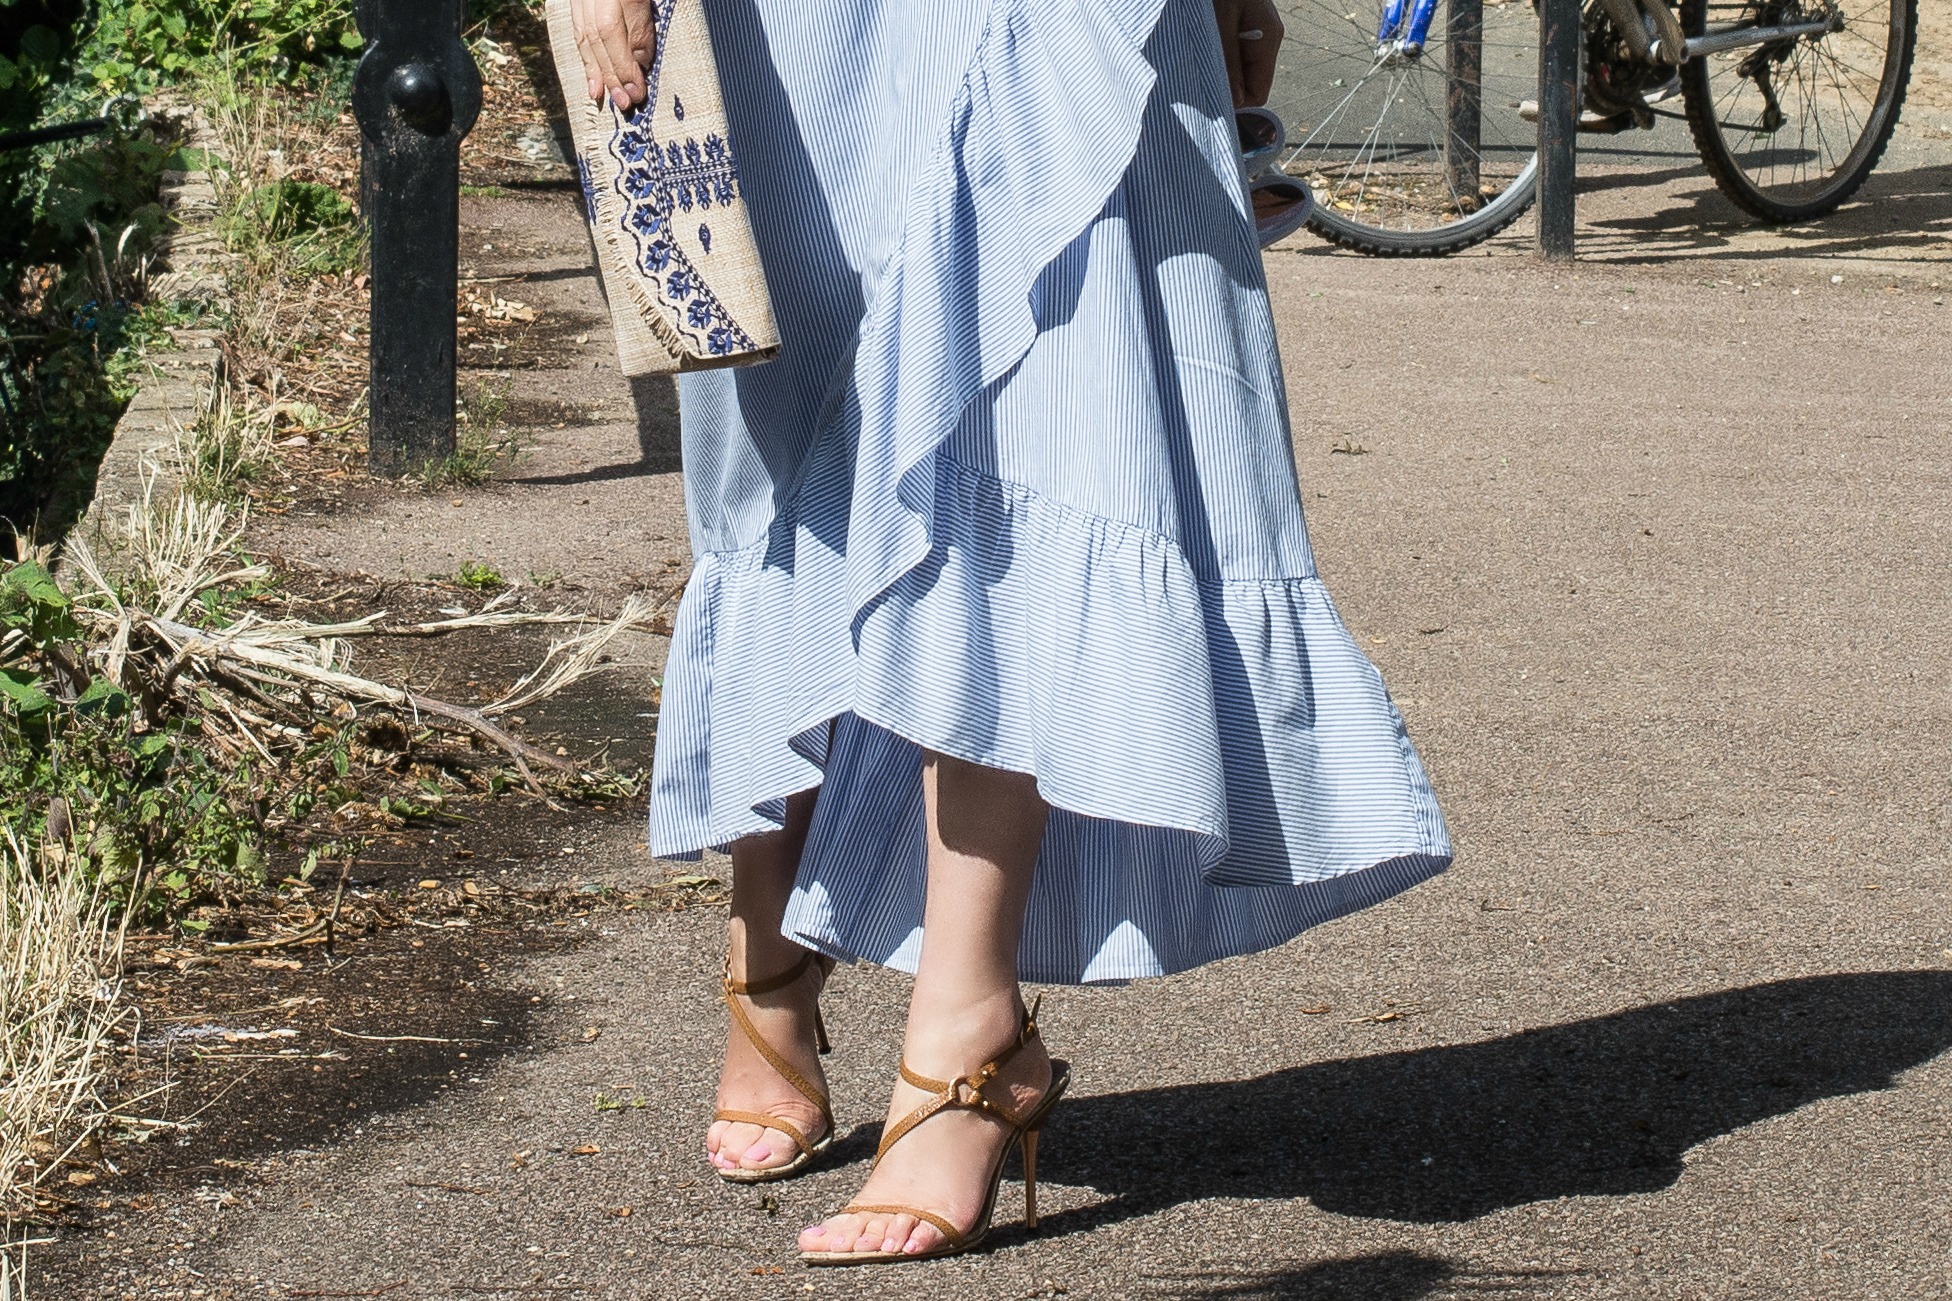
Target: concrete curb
{"x":182,"y":383}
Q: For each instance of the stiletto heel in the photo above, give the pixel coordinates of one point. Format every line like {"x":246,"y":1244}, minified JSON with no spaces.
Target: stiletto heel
{"x":964,"y":1092}
{"x":809,"y":1150}
{"x":1030,"y":1178}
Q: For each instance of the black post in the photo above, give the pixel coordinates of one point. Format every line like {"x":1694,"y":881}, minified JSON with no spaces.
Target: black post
{"x":416,"y":95}
{"x":1558,"y":125}
{"x":1464,"y":102}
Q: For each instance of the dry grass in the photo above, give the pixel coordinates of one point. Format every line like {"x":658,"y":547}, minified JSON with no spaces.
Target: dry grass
{"x":299,"y":301}
{"x":60,"y":964}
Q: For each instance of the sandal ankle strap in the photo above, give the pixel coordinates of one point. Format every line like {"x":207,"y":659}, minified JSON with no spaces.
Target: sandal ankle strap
{"x":772,"y":984}
{"x":964,"y":1092}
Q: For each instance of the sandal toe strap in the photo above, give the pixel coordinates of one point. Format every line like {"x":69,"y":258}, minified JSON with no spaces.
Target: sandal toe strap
{"x":765,"y":1121}
{"x":950,"y":1233}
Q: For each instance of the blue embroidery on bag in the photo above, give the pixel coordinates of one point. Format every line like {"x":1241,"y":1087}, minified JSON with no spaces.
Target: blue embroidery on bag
{"x":589,"y":187}
{"x":661,"y":177}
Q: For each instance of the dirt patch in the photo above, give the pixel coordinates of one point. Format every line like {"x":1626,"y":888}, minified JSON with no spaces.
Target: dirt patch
{"x":1931,"y":71}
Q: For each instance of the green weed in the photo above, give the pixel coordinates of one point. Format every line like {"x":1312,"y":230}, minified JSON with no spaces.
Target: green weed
{"x":473,"y":574}
{"x":482,"y":441}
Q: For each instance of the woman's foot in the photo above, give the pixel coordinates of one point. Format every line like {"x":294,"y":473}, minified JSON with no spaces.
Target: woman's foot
{"x":786,"y":1019}
{"x":946,"y":1165}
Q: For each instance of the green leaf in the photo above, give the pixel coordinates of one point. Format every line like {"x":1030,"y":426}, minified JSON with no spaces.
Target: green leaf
{"x":32,"y":583}
{"x":103,"y":697}
{"x":40,"y":45}
{"x":17,"y":687}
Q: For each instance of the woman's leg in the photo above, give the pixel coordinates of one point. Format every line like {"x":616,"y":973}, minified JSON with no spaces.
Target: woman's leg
{"x":763,"y":868}
{"x":985,"y":828}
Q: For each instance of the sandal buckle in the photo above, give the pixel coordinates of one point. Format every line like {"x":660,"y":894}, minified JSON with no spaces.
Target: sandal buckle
{"x":967,"y":1090}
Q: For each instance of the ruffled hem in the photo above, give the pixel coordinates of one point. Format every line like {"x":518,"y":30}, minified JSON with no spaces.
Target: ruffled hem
{"x":1040,"y":639}
{"x":1225,"y":765}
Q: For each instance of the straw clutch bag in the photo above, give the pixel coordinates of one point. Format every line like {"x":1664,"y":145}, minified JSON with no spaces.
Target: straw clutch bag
{"x":667,"y":214}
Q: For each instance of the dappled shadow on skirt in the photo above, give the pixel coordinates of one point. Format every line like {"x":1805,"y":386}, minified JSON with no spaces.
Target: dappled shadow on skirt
{"x":1606,"y":1106}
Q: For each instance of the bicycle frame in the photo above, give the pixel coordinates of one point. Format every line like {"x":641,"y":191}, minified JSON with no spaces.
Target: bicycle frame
{"x":1667,"y":44}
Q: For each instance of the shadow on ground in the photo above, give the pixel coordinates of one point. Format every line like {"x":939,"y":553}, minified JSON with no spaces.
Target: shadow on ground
{"x":655,"y":399}
{"x":1897,"y":216}
{"x":1607,"y":1106}
{"x":1386,"y":1276}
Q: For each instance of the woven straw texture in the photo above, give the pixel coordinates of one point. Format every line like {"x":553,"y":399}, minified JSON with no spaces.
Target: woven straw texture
{"x":667,"y":213}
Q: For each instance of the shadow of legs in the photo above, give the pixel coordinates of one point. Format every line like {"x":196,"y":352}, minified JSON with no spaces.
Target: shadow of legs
{"x":1602,"y":1106}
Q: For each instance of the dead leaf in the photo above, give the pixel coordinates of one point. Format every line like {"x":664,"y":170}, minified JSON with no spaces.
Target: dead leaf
{"x":592,"y":1033}
{"x":1316,"y":1010}
{"x":587,"y":1149}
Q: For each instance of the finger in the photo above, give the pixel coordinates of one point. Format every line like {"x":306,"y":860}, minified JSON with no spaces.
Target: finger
{"x":579,"y":15}
{"x":1229,"y":19}
{"x":621,"y":71}
{"x":608,"y":80}
{"x":1257,"y":59}
{"x":639,"y":32}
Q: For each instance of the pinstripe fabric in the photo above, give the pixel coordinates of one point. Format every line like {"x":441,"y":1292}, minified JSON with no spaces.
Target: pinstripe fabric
{"x":1019,"y":490}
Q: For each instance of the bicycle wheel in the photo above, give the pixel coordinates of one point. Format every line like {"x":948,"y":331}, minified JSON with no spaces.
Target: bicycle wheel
{"x":1404,"y":117}
{"x":1791,"y":129}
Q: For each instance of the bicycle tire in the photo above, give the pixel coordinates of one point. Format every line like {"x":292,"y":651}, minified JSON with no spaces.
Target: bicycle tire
{"x":1779,"y":204}
{"x":1377,"y":110}
{"x":1438,"y":241}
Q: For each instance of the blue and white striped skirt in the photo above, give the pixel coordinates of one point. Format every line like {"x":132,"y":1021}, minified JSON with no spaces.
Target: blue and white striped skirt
{"x":1019,"y":490}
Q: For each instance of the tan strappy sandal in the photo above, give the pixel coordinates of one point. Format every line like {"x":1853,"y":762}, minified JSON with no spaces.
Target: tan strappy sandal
{"x":965,"y":1092}
{"x":736,"y":989}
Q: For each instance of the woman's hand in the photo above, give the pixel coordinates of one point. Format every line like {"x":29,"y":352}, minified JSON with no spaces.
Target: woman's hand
{"x":1250,"y":36}
{"x":616,"y":39}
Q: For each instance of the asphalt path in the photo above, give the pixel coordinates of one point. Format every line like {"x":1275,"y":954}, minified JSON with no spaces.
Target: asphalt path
{"x":1652,"y":551}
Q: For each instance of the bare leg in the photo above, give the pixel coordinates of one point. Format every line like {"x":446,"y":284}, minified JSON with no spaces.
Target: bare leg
{"x":985,"y":828}
{"x":763,"y":868}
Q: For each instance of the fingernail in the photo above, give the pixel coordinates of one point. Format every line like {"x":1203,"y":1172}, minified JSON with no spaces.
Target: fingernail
{"x":596,"y":88}
{"x":620,"y":99}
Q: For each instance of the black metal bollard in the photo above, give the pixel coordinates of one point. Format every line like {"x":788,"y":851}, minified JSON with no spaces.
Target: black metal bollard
{"x":416,"y":95}
{"x":1464,"y":102}
{"x":1559,"y":78}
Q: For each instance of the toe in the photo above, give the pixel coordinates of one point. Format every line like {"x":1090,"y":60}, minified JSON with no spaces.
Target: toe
{"x":895,"y":1236}
{"x":922,"y":1236}
{"x":773,"y":1148}
{"x":737,"y":1140}
{"x":873,"y":1232}
{"x":846,"y":1233}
